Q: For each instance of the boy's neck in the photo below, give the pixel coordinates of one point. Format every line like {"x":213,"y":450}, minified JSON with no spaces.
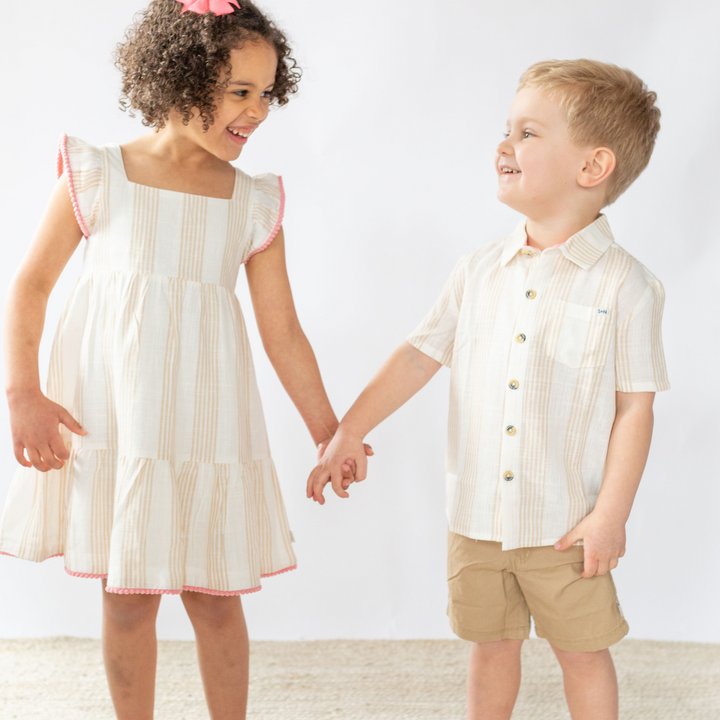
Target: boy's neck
{"x":544,"y":233}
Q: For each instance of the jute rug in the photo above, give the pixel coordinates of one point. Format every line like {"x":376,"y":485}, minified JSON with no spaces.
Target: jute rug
{"x":62,"y":679}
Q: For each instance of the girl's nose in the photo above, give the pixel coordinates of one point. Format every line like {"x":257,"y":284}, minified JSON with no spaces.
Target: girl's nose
{"x":257,"y":110}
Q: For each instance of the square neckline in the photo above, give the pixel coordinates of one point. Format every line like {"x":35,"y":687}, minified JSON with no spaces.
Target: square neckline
{"x":118,"y":150}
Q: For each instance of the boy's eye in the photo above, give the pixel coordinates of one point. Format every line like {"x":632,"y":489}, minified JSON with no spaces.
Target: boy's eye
{"x":527,"y":134}
{"x":506,"y":135}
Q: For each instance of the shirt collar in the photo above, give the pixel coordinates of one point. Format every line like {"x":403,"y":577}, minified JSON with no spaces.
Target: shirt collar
{"x":584,"y":248}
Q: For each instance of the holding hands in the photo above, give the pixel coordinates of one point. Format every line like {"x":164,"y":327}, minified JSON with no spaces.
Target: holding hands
{"x":342,"y":460}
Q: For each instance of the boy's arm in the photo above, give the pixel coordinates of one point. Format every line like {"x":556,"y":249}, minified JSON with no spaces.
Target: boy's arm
{"x":603,"y":530}
{"x":405,"y":372}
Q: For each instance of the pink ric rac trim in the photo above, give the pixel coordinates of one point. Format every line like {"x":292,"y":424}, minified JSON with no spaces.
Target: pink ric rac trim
{"x":278,"y":224}
{"x":85,"y":575}
{"x":19,"y":558}
{"x":63,"y":164}
{"x":188,"y":588}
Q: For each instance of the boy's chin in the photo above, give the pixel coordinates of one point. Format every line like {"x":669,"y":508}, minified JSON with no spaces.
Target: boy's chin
{"x":512,"y":202}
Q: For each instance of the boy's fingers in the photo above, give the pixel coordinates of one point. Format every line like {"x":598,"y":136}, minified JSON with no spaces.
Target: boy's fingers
{"x":337,"y":486}
{"x":368,"y":450}
{"x":567,"y":542}
{"x":591,"y":567}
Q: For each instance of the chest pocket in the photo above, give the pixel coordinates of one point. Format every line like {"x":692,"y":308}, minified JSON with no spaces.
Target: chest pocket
{"x":584,"y":337}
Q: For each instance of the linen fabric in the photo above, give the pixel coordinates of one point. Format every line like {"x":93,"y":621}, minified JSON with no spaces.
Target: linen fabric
{"x":539,"y":343}
{"x":173,"y":487}
{"x":495,"y":592}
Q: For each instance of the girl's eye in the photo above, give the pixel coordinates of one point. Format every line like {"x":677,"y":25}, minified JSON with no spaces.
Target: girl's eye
{"x":241,"y":93}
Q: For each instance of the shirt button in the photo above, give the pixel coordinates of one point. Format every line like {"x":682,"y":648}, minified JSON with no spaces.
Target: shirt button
{"x":513,"y":384}
{"x":511,"y":430}
{"x":527,"y":251}
{"x":530,"y":294}
{"x":509,"y":476}
{"x":520,"y":338}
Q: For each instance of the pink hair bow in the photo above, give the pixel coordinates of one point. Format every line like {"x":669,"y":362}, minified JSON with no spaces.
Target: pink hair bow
{"x":219,"y":7}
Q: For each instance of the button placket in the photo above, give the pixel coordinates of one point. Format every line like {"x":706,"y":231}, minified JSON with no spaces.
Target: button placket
{"x":531,"y":287}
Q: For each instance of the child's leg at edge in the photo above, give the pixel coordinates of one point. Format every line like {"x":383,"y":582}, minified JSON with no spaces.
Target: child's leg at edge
{"x":591,"y":685}
{"x":130,"y":652}
{"x":493,"y":679}
{"x":223,"y":652}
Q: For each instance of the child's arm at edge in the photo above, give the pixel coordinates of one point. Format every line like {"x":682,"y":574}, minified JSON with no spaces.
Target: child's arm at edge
{"x":603,"y":530}
{"x":402,"y":375}
{"x":34,"y":419}
{"x":285,"y":343}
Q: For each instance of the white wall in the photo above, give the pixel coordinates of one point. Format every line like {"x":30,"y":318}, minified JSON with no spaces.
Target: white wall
{"x":387,"y":157}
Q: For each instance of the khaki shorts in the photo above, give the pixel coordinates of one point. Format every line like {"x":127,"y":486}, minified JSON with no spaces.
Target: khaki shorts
{"x":493,"y":594}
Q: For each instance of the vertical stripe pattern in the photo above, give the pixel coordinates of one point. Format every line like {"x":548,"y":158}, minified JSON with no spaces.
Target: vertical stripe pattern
{"x":539,"y":343}
{"x":173,"y":488}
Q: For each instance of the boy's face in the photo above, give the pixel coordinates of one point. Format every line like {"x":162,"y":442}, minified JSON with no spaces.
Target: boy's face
{"x":538,"y":165}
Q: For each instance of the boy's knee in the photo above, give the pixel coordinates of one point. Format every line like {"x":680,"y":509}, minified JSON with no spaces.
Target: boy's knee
{"x":499,"y":649}
{"x":581,"y":661}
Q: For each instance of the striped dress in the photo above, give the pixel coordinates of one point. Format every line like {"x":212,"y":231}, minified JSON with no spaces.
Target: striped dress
{"x":173,"y":488}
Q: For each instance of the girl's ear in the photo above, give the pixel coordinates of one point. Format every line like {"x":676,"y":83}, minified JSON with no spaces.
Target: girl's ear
{"x":598,"y":167}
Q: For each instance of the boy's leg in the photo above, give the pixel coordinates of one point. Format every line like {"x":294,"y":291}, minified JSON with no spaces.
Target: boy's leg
{"x":223,"y":652}
{"x":487,"y":608}
{"x":590,"y":684}
{"x":493,"y":679}
{"x":130,"y":652}
{"x":580,"y":618}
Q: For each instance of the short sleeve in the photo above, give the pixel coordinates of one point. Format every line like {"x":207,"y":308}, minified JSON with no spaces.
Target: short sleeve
{"x":435,"y":336}
{"x":267,"y":212}
{"x":639,"y":356}
{"x":83,"y":168}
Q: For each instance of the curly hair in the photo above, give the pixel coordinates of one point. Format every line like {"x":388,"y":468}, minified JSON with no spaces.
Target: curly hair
{"x":174,"y":62}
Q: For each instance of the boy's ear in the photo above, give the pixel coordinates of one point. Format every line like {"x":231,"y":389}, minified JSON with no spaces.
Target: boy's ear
{"x":599,"y":165}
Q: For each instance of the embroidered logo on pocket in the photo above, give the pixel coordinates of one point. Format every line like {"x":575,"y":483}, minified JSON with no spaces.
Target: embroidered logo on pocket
{"x":602,"y":311}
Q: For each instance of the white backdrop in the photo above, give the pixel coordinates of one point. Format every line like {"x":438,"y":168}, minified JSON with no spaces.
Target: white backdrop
{"x":387,"y":158}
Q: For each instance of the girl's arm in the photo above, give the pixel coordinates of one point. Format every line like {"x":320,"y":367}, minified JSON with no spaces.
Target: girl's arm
{"x":35,"y":420}
{"x":285,"y":343}
{"x":402,"y":375}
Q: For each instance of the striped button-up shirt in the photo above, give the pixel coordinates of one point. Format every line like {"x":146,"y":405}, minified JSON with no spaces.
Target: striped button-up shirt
{"x":539,"y":343}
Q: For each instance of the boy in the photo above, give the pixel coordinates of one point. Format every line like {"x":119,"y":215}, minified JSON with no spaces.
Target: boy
{"x":553,"y":337}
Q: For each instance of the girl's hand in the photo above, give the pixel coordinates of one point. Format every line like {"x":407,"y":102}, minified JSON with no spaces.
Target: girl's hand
{"x":349,"y":467}
{"x":334,"y":469}
{"x":35,"y":423}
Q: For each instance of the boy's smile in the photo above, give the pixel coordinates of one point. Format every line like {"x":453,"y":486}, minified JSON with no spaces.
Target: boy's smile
{"x":538,"y":163}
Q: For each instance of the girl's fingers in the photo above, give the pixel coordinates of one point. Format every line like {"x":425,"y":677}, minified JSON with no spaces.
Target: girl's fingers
{"x":49,"y":458}
{"x":36,"y":460}
{"x":71,"y":423}
{"x":19,"y":449}
{"x":368,"y":450}
{"x":59,"y":448}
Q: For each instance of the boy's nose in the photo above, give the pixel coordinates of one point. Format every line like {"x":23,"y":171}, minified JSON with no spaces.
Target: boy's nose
{"x":505,"y":147}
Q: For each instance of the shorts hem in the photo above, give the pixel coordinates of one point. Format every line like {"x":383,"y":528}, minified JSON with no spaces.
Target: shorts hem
{"x":515,"y":633}
{"x":595,"y":644}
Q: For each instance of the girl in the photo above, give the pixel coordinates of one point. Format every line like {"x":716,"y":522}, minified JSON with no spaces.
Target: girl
{"x":167,"y":485}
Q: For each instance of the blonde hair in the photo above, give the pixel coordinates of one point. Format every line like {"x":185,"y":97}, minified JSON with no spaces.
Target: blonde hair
{"x":605,"y":106}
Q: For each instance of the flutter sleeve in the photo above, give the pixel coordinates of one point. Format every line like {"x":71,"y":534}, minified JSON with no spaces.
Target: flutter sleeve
{"x":268,"y":209}
{"x":82,"y":165}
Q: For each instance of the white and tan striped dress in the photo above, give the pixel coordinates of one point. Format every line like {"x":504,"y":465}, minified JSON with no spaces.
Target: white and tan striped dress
{"x":173,"y":488}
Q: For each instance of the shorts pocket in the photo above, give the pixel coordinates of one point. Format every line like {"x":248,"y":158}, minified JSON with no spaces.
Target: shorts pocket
{"x":584,"y":337}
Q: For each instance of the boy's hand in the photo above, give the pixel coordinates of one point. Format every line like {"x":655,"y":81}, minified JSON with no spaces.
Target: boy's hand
{"x":35,"y":421}
{"x":344,"y":461}
{"x":603,"y":540}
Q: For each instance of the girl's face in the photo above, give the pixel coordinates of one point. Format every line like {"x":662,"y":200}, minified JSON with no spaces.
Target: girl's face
{"x":245,"y":103}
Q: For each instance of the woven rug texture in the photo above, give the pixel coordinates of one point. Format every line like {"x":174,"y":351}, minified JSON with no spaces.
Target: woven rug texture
{"x":63,"y":679}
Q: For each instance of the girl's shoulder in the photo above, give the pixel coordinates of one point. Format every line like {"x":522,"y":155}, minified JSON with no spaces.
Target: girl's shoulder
{"x":82,"y":165}
{"x":267,"y":194}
